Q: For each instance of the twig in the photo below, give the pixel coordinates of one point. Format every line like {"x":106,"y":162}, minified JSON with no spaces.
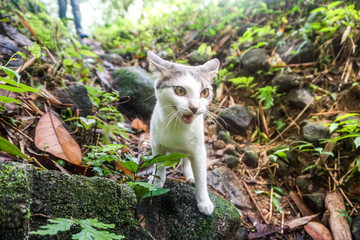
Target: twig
{"x":271,"y":199}
{"x":2,"y":120}
{"x":263,"y":120}
{"x":255,"y":203}
{"x":297,"y":118}
{"x":26,"y":65}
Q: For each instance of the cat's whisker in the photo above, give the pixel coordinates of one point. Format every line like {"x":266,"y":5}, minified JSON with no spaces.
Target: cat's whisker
{"x":215,"y":120}
{"x":152,"y":95}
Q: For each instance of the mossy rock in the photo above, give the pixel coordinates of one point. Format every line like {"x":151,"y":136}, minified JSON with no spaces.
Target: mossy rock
{"x":44,"y":194}
{"x":175,"y":216}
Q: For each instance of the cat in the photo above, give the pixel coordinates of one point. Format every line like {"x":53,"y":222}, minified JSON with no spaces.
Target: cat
{"x":177,"y":123}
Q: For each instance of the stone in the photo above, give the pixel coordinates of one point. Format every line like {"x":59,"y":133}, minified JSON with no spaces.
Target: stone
{"x":219,"y":144}
{"x":314,"y":132}
{"x":225,"y":181}
{"x":304,"y":183}
{"x":78,"y":95}
{"x":237,"y":118}
{"x":297,"y":52}
{"x":231,"y":161}
{"x":15,"y":182}
{"x":250,"y":158}
{"x":175,"y":216}
{"x":286,"y":81}
{"x":356,"y":228}
{"x":315,"y":201}
{"x":136,"y":83}
{"x":225,"y":136}
{"x":300,"y":98}
{"x":255,"y":60}
{"x":113,"y":58}
{"x":33,"y":194}
{"x":196,"y":58}
{"x":244,"y":27}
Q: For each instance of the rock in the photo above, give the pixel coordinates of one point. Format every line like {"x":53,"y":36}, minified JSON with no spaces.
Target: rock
{"x":237,"y":118}
{"x":305,"y":52}
{"x":315,"y":201}
{"x":304,"y":183}
{"x":196,"y":58}
{"x":314,"y":132}
{"x":175,"y":216}
{"x":250,"y":158}
{"x":244,"y":27}
{"x":25,"y":192}
{"x":15,"y":182}
{"x":300,"y":98}
{"x":225,"y":181}
{"x":231,"y":161}
{"x":8,"y":48}
{"x":219,"y":144}
{"x":356,"y":228}
{"x":286,"y":81}
{"x":78,"y":95}
{"x":225,"y":136}
{"x":113,"y":58}
{"x":255,"y":60}
{"x":139,"y":85}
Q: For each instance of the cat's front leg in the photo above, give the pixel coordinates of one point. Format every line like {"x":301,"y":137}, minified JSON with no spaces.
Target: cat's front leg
{"x":198,"y":163}
{"x":187,"y":170}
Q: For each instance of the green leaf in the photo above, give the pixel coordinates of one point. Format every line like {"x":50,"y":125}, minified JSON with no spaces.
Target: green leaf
{"x":333,"y":127}
{"x":157,"y":192}
{"x":8,"y":100}
{"x":202,"y":48}
{"x":68,"y":62}
{"x":87,"y":122}
{"x":88,"y":53}
{"x":279,"y":190}
{"x":169,"y":158}
{"x":21,"y":86}
{"x":212,"y":31}
{"x":357,"y":142}
{"x":131,"y":166}
{"x":55,"y":226}
{"x":10,"y":148}
{"x":334,"y":4}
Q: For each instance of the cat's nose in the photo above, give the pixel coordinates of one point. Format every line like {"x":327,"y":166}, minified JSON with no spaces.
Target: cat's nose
{"x":194,"y":109}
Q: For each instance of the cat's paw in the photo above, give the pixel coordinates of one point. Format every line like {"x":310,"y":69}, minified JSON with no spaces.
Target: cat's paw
{"x":206,"y":207}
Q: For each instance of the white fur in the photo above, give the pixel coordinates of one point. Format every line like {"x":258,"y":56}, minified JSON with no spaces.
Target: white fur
{"x":169,"y":134}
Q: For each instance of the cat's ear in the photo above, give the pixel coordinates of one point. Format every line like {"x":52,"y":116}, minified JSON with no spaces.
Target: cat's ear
{"x":210,"y":68}
{"x":161,"y":65}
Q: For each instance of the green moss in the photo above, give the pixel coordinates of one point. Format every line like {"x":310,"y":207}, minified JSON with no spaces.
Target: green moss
{"x":15,"y":200}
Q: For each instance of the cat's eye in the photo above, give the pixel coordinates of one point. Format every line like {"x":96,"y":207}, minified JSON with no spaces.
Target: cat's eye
{"x":205,"y":93}
{"x":179,"y":91}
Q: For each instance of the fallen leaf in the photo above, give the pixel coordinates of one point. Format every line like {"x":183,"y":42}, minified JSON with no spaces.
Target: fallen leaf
{"x":262,"y":230}
{"x":138,"y":124}
{"x":318,"y":231}
{"x":51,"y":136}
{"x":297,"y":222}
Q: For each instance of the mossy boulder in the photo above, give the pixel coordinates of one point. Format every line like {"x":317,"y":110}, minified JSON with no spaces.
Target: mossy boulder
{"x":175,"y":216}
{"x":25,"y":192}
{"x":138,"y":84}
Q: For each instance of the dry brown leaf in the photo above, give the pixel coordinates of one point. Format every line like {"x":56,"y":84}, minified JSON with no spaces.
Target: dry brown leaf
{"x":318,"y":231}
{"x":138,"y":124}
{"x":297,"y":222}
{"x":51,"y":136}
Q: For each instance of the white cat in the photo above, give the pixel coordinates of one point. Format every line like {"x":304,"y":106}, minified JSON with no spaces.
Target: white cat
{"x":177,"y":124}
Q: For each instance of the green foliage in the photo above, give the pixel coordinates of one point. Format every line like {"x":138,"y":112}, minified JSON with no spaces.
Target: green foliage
{"x":348,"y":126}
{"x":89,"y":229}
{"x":10,"y":148}
{"x":11,"y":84}
{"x":281,"y":153}
{"x":243,"y":82}
{"x":266,"y":95}
{"x":343,"y":213}
{"x":252,"y":34}
{"x":278,"y":193}
{"x":204,"y":49}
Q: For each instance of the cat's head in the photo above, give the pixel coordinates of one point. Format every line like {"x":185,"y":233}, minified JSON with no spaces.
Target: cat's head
{"x":183,"y":90}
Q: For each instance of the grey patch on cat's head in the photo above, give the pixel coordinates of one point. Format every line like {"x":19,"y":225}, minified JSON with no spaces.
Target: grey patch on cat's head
{"x":170,"y":72}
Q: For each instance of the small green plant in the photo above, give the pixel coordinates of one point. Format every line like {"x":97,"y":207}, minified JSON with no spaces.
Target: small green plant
{"x":281,"y":153}
{"x":252,"y":34}
{"x":266,"y":95}
{"x":343,"y":213}
{"x":348,"y":126}
{"x":89,"y":229}
{"x":244,"y":82}
{"x":204,"y":49}
{"x":278,"y":193}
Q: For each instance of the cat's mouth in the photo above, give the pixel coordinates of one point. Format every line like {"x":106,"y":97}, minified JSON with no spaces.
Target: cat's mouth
{"x":187,"y":118}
